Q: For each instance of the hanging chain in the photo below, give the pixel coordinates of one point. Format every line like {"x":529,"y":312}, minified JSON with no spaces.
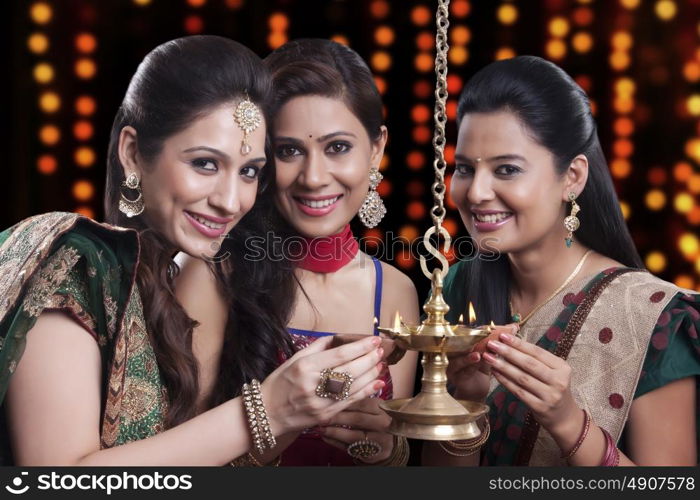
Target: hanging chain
{"x":438,"y":212}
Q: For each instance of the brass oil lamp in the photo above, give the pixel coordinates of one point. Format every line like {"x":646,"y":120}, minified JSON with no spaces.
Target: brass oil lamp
{"x":434,"y":414}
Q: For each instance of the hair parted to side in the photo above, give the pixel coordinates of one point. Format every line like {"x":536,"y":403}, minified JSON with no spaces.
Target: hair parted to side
{"x":557,"y":114}
{"x":176,"y":83}
{"x":314,"y":66}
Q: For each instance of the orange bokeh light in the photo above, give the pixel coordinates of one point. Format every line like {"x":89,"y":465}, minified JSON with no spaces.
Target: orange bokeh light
{"x":424,"y":62}
{"x":415,"y":160}
{"x":415,"y":210}
{"x":421,"y":15}
{"x":458,"y":55}
{"x":278,"y":22}
{"x":379,"y":9}
{"x":421,"y":134}
{"x":454,"y":83}
{"x":425,"y":41}
{"x":657,"y":176}
{"x":624,"y":126}
{"x":84,"y":157}
{"x":460,"y":35}
{"x":420,"y":113}
{"x":384,"y":35}
{"x":85,"y":68}
{"x":460,"y":8}
{"x":555,"y":49}
{"x":83,"y":190}
{"x":46,"y":164}
{"x":623,"y":148}
{"x":85,"y":105}
{"x":381,"y":84}
{"x":422,"y":89}
{"x":85,"y":43}
{"x":620,"y":168}
{"x":193,"y":24}
{"x":83,"y":130}
{"x":381,"y":61}
{"x":49,"y":135}
{"x":276,"y":39}
{"x":682,"y":171}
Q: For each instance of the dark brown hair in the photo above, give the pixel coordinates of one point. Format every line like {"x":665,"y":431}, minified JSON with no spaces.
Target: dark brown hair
{"x":178,"y":82}
{"x":314,"y":66}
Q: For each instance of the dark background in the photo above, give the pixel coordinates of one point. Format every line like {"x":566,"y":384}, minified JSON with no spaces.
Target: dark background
{"x":639,"y":60}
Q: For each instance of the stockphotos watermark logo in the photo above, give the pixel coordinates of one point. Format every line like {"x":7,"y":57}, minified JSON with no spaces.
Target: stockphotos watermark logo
{"x":101,"y":482}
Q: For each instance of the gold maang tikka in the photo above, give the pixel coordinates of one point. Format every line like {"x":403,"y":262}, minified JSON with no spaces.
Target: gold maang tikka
{"x":248,"y":117}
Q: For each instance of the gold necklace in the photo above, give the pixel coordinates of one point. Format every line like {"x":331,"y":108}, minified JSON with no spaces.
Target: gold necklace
{"x":516,"y":318}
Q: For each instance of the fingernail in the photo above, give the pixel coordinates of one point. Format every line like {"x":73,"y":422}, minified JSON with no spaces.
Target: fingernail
{"x":474,"y":356}
{"x":490,"y":358}
{"x":497,"y":346}
{"x":379,"y":385}
{"x":506,"y":337}
{"x":376,"y":341}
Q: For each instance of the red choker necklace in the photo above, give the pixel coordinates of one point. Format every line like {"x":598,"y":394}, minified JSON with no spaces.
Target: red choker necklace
{"x":327,"y":254}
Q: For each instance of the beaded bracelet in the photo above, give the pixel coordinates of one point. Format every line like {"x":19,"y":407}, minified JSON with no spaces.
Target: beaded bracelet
{"x":257,"y":417}
{"x":584,"y":433}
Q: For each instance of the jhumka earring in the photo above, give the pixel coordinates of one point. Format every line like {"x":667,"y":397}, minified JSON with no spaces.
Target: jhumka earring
{"x":131,"y":208}
{"x":373,"y":209}
{"x":248,"y":118}
{"x":571,"y":223}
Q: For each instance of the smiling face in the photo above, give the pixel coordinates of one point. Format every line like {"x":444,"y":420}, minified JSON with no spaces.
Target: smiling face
{"x":505,"y":184}
{"x":199,"y":186}
{"x":323,"y":155}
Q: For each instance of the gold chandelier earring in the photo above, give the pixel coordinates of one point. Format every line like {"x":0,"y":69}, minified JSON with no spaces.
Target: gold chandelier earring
{"x":373,"y":209}
{"x":571,"y":223}
{"x":131,"y":208}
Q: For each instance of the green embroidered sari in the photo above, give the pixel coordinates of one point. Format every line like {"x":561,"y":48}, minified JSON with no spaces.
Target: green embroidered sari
{"x":67,"y":263}
{"x":603,"y":381}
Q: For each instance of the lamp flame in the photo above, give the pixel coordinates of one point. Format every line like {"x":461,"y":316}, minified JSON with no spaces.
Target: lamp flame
{"x":397,"y":322}
{"x":472,"y":314}
{"x":461,"y":318}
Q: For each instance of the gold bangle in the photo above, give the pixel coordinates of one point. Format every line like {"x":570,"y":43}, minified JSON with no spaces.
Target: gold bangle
{"x":257,"y":417}
{"x":398,"y":458}
{"x":249,"y":460}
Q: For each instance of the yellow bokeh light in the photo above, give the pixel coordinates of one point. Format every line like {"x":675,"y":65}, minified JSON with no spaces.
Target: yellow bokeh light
{"x":85,"y":68}
{"x":692,"y":149}
{"x":555,"y":49}
{"x":693,"y":104}
{"x":621,"y":40}
{"x":559,"y":27}
{"x":655,"y":200}
{"x":83,"y":190}
{"x":665,"y":9}
{"x":41,"y":13}
{"x":504,"y":53}
{"x":38,"y":43}
{"x":582,"y":42}
{"x":458,"y":55}
{"x":619,"y":60}
{"x":507,"y":14}
{"x":625,"y":209}
{"x":49,"y":102}
{"x":142,"y":3}
{"x":655,"y":262}
{"x":630,"y":4}
{"x":409,"y":233}
{"x":381,"y":61}
{"x":84,"y":157}
{"x":43,"y":73}
{"x":49,"y":135}
{"x":683,"y":203}
{"x":623,"y":104}
{"x":460,"y":35}
{"x":688,"y":244}
{"x":384,"y":35}
{"x":196,"y":3}
{"x":625,"y":87}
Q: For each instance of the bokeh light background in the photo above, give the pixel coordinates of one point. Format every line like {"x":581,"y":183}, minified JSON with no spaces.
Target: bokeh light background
{"x":68,"y":63}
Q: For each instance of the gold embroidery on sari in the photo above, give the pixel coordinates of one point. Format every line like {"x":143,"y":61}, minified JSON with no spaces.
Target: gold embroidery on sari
{"x":25,"y":249}
{"x":45,"y":283}
{"x":140,"y":398}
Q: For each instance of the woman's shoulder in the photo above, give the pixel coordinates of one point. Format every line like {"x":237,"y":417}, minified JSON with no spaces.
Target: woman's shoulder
{"x":396,"y":279}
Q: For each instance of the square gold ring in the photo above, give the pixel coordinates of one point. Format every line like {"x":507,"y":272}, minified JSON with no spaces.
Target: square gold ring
{"x":334,"y":385}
